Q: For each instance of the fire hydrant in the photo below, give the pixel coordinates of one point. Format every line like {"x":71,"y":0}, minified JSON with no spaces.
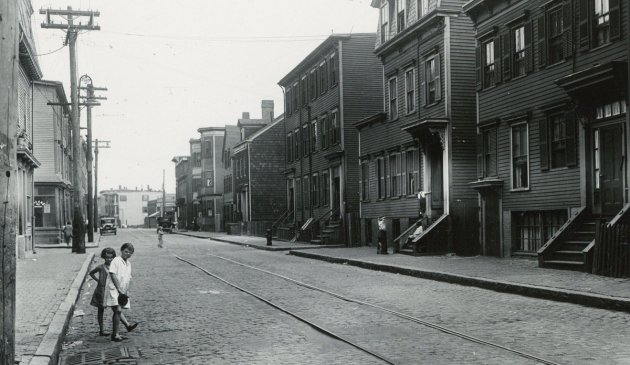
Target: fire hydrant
{"x":268,"y":235}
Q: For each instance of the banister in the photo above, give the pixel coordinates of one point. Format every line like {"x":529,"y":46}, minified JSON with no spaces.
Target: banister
{"x":561,"y":230}
{"x":623,"y":214}
{"x":413,"y":226}
{"x":432,"y":227}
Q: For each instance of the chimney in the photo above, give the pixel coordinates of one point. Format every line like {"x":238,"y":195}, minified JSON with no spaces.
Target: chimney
{"x":267,"y":110}
{"x":119,"y":187}
{"x":245,"y":115}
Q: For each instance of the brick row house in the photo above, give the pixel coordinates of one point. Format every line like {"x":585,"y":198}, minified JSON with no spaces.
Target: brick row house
{"x":335,"y":86}
{"x":552,"y":90}
{"x":210,"y":195}
{"x":422,"y":139}
{"x":183,"y":184}
{"x":196,"y":185}
{"x":232,"y":137}
{"x":258,"y":178}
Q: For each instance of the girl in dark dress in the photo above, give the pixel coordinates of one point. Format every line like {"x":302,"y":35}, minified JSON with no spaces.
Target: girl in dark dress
{"x":98,"y":298}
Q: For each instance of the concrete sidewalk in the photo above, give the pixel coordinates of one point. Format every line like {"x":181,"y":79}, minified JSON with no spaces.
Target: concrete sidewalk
{"x":512,"y":275}
{"x":255,"y":242}
{"x":47,"y":286}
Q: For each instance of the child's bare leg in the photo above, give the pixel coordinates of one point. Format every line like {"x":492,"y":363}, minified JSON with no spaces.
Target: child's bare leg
{"x":101,"y":311}
{"x":116,"y":321}
{"x":123,"y":319}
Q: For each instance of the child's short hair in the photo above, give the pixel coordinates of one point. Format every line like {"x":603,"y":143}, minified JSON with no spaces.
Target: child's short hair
{"x":108,"y":251}
{"x":127,"y":245}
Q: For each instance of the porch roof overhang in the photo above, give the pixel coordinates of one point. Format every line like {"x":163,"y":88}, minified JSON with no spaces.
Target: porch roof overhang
{"x":25,"y":155}
{"x":334,"y":155}
{"x":597,"y":84}
{"x":376,"y":118}
{"x":425,"y":125}
{"x":486,"y":184}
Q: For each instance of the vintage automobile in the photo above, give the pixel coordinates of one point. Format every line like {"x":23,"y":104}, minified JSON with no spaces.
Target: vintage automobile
{"x":107,"y":225}
{"x":166,"y":223}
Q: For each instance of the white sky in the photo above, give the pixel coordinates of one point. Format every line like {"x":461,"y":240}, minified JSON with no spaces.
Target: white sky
{"x":174,"y":66}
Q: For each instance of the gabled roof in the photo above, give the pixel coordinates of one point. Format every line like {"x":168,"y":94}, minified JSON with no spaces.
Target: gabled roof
{"x":255,"y":135}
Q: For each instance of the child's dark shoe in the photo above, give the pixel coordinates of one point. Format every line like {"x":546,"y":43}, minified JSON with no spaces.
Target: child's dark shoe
{"x":131,"y":327}
{"x":118,"y":338}
{"x":103,"y":333}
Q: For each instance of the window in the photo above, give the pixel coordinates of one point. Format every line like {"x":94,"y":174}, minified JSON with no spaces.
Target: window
{"x":289,"y":147}
{"x":487,"y":153}
{"x":395,"y":177}
{"x":412,"y":171}
{"x":534,"y":228}
{"x":312,"y":83}
{"x":558,"y":143}
{"x":489,"y":64}
{"x":323,"y":123}
{"x":392,"y":92}
{"x":385,"y":22}
{"x":304,"y":90}
{"x":555,"y":34}
{"x":410,"y":91}
{"x":294,"y":97}
{"x":365,"y":182}
{"x":556,"y":27}
{"x":520,"y":156}
{"x":380,"y":176}
{"x":431,"y":82}
{"x":296,"y":144}
{"x":315,"y":190}
{"x":335,"y":128}
{"x":197,"y":159}
{"x":518,"y":55}
{"x":305,"y":140}
{"x":333,"y":77}
{"x":325,"y":188}
{"x":207,"y":148}
{"x":314,"y":135}
{"x":610,"y":109}
{"x":209,"y":179}
{"x":401,"y":6}
{"x":423,"y":8}
{"x":288,"y":99}
{"x":323,"y":75}
{"x":602,"y":22}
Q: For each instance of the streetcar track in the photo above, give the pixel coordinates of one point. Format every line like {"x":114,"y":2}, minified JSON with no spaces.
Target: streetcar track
{"x":434,"y":326}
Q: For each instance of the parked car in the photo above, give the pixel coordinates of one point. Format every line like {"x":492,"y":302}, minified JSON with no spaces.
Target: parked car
{"x":166,"y":223}
{"x":108,"y":225}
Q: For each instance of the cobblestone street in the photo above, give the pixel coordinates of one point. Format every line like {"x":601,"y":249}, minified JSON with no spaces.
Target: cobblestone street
{"x":189,"y":317}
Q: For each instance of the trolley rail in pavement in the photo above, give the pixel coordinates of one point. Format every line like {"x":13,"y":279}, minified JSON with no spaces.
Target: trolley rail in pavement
{"x":443,"y":329}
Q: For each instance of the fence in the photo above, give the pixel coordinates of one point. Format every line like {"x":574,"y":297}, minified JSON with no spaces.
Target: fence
{"x":611,"y":254}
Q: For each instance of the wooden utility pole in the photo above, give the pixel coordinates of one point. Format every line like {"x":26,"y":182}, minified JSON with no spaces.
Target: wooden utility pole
{"x":105,"y":144}
{"x":72,"y":31}
{"x":9,"y":61}
{"x":163,"y":193}
{"x":89,"y":100}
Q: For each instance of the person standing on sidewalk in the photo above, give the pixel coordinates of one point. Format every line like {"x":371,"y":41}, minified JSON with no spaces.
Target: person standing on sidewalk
{"x":382,"y":236}
{"x":67,"y":233}
{"x":120,"y":273}
{"x":98,"y":298}
{"x":160,"y":233}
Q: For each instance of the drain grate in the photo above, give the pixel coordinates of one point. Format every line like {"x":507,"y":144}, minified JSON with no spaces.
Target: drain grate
{"x":114,"y":356}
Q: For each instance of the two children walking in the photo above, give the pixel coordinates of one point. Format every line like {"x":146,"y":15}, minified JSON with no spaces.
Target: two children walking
{"x":114,"y":277}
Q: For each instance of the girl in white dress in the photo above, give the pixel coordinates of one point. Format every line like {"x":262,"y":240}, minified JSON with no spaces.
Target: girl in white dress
{"x":120,"y":273}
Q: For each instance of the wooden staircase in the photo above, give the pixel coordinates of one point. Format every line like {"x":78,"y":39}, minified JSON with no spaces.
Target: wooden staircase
{"x":432,"y":241}
{"x":571,"y":247}
{"x":329,"y":234}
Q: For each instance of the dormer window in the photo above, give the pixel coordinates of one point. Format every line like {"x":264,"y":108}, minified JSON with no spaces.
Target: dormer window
{"x":401,"y":6}
{"x":385,"y":22}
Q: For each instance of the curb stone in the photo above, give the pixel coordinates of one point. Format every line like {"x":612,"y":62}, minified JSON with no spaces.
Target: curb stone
{"x":541,"y":292}
{"x":48,"y":350}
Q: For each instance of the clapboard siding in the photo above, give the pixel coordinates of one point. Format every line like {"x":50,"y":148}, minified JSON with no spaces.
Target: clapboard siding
{"x":48,"y":133}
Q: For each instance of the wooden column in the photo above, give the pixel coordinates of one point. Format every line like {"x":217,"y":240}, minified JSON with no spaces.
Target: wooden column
{"x":9,"y":61}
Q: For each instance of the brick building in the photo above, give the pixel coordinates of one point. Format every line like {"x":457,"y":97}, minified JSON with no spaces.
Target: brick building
{"x":210,"y":195}
{"x":232,"y":137}
{"x":183,"y":181}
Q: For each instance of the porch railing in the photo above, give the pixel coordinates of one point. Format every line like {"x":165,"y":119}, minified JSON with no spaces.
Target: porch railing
{"x":282,"y":219}
{"x":545,"y":252}
{"x":434,"y":239}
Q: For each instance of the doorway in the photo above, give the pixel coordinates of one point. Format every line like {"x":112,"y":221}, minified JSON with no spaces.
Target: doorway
{"x":608,"y":169}
{"x":437,"y":178}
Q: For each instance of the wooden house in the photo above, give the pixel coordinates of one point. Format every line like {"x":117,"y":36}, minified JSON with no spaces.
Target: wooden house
{"x":182,"y":187}
{"x":417,"y":155}
{"x":336,"y":85}
{"x":552,"y":85}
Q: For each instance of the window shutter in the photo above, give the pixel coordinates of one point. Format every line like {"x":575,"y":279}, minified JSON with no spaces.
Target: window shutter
{"x":438,"y":84}
{"x":585,"y":31}
{"x":423,"y":84}
{"x":568,"y":28}
{"x":478,"y":64}
{"x":507,"y":55}
{"x":544,"y":144}
{"x":403,"y":172}
{"x":615,"y":20}
{"x":529,"y":47}
{"x":497,"y":59}
{"x":571,"y":127}
{"x":480,"y":156}
{"x":542,"y":42}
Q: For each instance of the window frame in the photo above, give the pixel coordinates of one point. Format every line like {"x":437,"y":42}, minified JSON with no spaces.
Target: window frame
{"x":381,"y":184}
{"x":325,"y":188}
{"x":313,"y":135}
{"x":334,"y":127}
{"x":315,"y":189}
{"x":410,"y":92}
{"x":323,"y":78}
{"x":392,"y":98}
{"x":384,"y":26}
{"x":513,"y":157}
{"x":432,"y":78}
{"x":365,"y":180}
{"x":401,"y":10}
{"x":412,"y":172}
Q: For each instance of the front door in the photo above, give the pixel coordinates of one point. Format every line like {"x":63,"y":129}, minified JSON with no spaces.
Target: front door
{"x":437,"y":184}
{"x":491,"y":224}
{"x":611,"y":168}
{"x":336,"y":192}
